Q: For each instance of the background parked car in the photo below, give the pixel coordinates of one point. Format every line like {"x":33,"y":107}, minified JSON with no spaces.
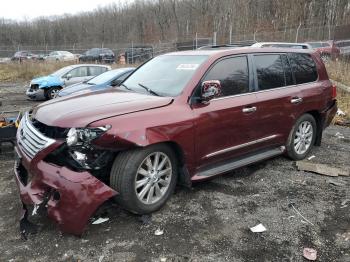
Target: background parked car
{"x":138,"y":54}
{"x":47,"y":87}
{"x":326,"y":49}
{"x":23,"y":55}
{"x":105,"y":80}
{"x":60,"y":56}
{"x":102,"y":55}
{"x":283,"y":45}
{"x":344,"y":46}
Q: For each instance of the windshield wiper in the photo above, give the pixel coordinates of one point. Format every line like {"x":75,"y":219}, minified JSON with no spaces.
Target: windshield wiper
{"x":125,"y":86}
{"x":149,"y":90}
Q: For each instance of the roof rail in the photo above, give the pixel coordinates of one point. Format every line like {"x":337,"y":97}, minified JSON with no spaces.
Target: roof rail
{"x":228,"y":46}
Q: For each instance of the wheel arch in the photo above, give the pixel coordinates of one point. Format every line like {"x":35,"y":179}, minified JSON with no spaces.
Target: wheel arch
{"x":184,"y":177}
{"x":319,"y":124}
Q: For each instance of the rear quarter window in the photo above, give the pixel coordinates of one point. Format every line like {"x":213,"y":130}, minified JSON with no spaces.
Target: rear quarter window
{"x":270,"y":73}
{"x":304,"y":68}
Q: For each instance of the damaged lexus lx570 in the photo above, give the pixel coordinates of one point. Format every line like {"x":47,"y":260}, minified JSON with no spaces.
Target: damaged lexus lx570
{"x":179,"y":118}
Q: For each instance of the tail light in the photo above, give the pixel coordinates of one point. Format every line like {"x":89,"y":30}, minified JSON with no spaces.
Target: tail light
{"x":334,"y":91}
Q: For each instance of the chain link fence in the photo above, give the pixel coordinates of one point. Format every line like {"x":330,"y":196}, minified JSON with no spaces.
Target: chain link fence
{"x":137,"y":52}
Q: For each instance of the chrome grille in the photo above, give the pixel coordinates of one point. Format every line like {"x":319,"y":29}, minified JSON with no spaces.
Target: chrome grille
{"x":30,"y":140}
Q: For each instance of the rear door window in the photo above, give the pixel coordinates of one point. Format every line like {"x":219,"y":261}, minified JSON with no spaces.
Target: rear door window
{"x":270,"y":72}
{"x":304,"y":68}
{"x":233,"y":74}
{"x":79,"y":72}
{"x":96,"y":70}
{"x":287,"y":70}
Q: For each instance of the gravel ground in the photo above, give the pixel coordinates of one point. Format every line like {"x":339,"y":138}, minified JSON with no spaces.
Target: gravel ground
{"x":209,"y":222}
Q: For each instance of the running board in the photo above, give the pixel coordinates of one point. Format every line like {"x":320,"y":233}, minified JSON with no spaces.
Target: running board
{"x":228,"y":166}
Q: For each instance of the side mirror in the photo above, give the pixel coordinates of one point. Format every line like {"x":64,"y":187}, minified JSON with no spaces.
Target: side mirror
{"x":210,"y":89}
{"x":68,"y":76}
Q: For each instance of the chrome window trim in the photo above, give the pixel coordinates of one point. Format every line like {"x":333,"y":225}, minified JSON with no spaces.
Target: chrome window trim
{"x":229,"y":149}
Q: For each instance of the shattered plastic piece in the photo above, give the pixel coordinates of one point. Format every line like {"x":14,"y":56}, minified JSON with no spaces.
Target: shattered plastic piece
{"x":100,"y":221}
{"x":100,"y":258}
{"x":339,"y":135}
{"x":310,"y":254}
{"x":159,"y":232}
{"x":258,"y":228}
{"x":163,"y":259}
{"x":341,"y":113}
{"x":311,"y":157}
{"x":35,"y":210}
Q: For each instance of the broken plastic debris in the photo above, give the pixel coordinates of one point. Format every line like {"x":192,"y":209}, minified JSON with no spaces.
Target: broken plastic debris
{"x":311,"y":157}
{"x":341,"y":113}
{"x":310,"y":254}
{"x":101,"y":258}
{"x":35,"y":210}
{"x":339,"y":135}
{"x":159,"y":232}
{"x":100,"y":221}
{"x":258,"y":228}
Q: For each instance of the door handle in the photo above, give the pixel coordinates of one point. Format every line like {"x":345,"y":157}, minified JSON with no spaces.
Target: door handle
{"x":296,"y":100}
{"x":249,"y":109}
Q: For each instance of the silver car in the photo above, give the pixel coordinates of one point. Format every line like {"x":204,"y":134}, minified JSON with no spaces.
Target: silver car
{"x":60,"y":56}
{"x":47,"y":87}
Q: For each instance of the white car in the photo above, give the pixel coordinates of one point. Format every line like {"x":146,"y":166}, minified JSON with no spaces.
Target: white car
{"x":60,"y":56}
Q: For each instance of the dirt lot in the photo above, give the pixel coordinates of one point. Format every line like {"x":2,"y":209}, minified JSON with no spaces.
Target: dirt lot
{"x":207,"y":223}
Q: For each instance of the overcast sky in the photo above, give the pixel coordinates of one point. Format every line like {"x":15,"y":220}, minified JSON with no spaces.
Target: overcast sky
{"x":20,"y":9}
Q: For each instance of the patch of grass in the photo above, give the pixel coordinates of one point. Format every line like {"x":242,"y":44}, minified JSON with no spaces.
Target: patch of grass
{"x":344,"y":105}
{"x":339,"y":71}
{"x":26,"y":71}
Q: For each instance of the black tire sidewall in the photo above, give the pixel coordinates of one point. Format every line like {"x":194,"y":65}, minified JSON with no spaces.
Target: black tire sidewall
{"x":290,"y":144}
{"x":127,"y":195}
{"x":49,"y":91}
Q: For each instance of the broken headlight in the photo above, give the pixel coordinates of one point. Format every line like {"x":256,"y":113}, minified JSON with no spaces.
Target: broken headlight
{"x":81,"y":136}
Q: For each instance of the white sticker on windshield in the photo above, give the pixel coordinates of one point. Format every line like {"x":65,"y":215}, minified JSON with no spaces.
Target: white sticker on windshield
{"x":187,"y":67}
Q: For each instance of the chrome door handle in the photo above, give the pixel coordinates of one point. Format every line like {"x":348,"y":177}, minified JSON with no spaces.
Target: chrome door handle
{"x":296,"y":100}
{"x":249,"y":109}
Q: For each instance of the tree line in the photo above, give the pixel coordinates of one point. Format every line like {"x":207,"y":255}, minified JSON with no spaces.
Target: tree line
{"x":151,"y":21}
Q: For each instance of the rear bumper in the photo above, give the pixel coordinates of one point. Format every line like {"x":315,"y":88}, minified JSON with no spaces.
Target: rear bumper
{"x":71,"y":197}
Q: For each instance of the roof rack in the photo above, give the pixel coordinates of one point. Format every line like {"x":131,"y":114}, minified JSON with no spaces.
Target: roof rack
{"x":228,"y":46}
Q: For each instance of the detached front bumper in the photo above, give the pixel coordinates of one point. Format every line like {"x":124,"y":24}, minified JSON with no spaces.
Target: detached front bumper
{"x":71,"y":197}
{"x":35,"y":94}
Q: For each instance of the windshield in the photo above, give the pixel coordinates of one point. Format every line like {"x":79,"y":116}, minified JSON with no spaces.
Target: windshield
{"x":62,"y":71}
{"x":103,"y":78}
{"x":165,"y":75}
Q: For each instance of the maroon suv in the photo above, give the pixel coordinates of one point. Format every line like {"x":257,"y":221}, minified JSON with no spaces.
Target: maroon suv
{"x":179,"y":118}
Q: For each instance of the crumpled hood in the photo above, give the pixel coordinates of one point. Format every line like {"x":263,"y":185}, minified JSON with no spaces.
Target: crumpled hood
{"x":82,"y":109}
{"x":81,"y":88}
{"x":47,"y":81}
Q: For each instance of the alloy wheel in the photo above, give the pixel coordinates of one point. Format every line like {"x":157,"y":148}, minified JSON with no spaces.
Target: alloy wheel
{"x":303,"y":137}
{"x":153,"y":178}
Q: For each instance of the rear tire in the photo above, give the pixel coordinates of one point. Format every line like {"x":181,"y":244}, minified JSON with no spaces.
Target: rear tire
{"x":144,"y":184}
{"x":302,"y":137}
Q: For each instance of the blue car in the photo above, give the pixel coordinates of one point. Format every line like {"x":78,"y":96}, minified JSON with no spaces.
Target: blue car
{"x":47,"y":87}
{"x":106,"y":80}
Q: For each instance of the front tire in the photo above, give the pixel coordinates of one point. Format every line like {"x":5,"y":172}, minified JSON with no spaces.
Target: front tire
{"x":302,"y":137}
{"x":51,"y":93}
{"x":144,"y":178}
